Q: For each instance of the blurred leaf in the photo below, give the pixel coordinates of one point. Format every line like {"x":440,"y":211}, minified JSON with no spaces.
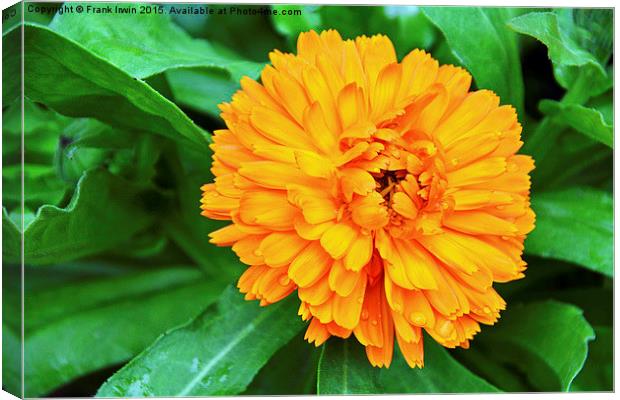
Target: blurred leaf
{"x":49,"y":305}
{"x":481,"y":41}
{"x":409,"y":28}
{"x":231,"y":26}
{"x":41,"y":183}
{"x":291,"y":25}
{"x":598,"y":372}
{"x":105,"y":322}
{"x":11,"y":238}
{"x":575,"y":225}
{"x":570,"y":60}
{"x":218,"y":353}
{"x":568,"y":158}
{"x":187,"y":228}
{"x":344,"y":369}
{"x":11,"y":361}
{"x":291,"y":371}
{"x":162,"y":44}
{"x":201,"y":89}
{"x":588,"y":121}
{"x":406,"y":26}
{"x":103,"y":213}
{"x":75,"y":82}
{"x":494,"y":371}
{"x":547,"y":341}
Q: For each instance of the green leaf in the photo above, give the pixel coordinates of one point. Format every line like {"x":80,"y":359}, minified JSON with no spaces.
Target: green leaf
{"x":187,"y":228}
{"x":344,"y":369}
{"x":291,"y":371}
{"x":87,"y":325}
{"x":547,"y":341}
{"x":565,"y":157}
{"x":11,"y":238}
{"x":241,"y":22}
{"x":201,"y":89}
{"x":568,"y":57}
{"x":75,"y":82}
{"x":574,"y":225}
{"x":218,"y":353}
{"x":292,"y":25}
{"x":406,"y":26}
{"x":61,"y":234}
{"x":588,"y":121}
{"x":41,"y":183}
{"x":162,"y":44}
{"x":11,"y":361}
{"x":481,"y":41}
{"x":598,"y":372}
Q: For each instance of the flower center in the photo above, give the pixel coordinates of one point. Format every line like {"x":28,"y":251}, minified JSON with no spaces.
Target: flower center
{"x":388,"y":182}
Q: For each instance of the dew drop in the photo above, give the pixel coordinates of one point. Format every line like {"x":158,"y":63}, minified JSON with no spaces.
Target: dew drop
{"x":445,"y":328}
{"x":454,"y":161}
{"x":418,"y":318}
{"x":284,"y":280}
{"x":360,"y":300}
{"x":398,"y":308}
{"x":258,"y":253}
{"x":374,"y":322}
{"x":486,"y":310}
{"x":364,"y":314}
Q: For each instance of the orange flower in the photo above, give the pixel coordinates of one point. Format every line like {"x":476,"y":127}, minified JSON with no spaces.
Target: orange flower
{"x":387,"y":194}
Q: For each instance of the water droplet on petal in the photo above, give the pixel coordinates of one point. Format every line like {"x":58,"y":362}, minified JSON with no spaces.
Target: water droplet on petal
{"x":360,"y":300}
{"x":374,"y":322}
{"x":486,"y":310}
{"x":445,"y":328}
{"x":284,"y":280}
{"x":418,"y":318}
{"x":398,"y":308}
{"x":364,"y":314}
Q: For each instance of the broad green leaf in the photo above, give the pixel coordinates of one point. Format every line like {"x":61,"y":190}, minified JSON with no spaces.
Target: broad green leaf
{"x":588,"y":121}
{"x":107,"y":321}
{"x":485,"y":46}
{"x":201,"y":89}
{"x":570,"y":60}
{"x":344,"y":369}
{"x":547,"y":341}
{"x":49,"y":305}
{"x":218,"y":353}
{"x":75,"y":82}
{"x":103,"y":213}
{"x":291,"y":371}
{"x":162,"y":44}
{"x":574,"y":225}
{"x":597,"y":373}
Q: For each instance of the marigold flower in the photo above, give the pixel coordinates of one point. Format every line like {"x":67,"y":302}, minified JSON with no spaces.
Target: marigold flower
{"x":387,"y":194}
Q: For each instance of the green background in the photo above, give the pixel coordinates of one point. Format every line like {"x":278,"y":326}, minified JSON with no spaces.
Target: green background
{"x":123,"y":294}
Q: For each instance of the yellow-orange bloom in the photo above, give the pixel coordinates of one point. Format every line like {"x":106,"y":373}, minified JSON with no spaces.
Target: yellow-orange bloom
{"x":387,"y":194}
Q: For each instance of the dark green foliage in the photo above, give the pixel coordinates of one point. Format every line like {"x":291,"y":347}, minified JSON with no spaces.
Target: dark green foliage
{"x":124,"y":295}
